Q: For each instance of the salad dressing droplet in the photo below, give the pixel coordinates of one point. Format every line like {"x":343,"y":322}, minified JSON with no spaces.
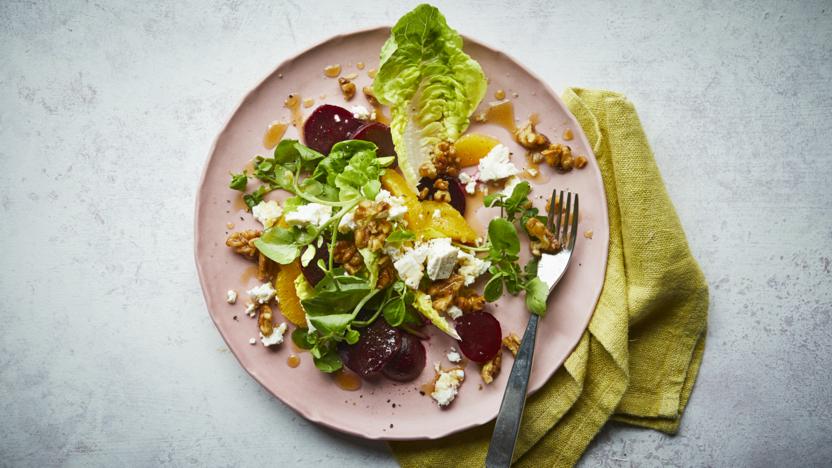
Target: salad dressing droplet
{"x":499,"y":94}
{"x":502,"y":114}
{"x":347,"y":380}
{"x":308,"y":102}
{"x":372,"y":72}
{"x":332,"y":71}
{"x":248,"y":274}
{"x":293,"y":104}
{"x":359,"y":65}
{"x":293,"y":361}
{"x":274,"y":133}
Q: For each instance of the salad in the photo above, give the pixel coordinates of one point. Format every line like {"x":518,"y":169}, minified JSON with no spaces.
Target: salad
{"x":370,"y":246}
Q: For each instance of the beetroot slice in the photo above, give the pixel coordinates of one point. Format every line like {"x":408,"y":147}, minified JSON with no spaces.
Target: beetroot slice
{"x":379,"y":134}
{"x":328,"y":125}
{"x":409,"y":362}
{"x":455,"y":189}
{"x":481,"y":336}
{"x":378,"y":344}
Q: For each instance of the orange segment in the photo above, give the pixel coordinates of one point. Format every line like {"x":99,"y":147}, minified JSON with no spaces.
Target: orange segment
{"x":394,"y":183}
{"x":287,"y":298}
{"x":472,"y":147}
{"x":449,"y":223}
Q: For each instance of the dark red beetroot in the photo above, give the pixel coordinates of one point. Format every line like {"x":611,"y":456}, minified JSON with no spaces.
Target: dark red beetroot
{"x":409,"y":362}
{"x":455,"y":188}
{"x":379,"y":134}
{"x":378,"y":344}
{"x":328,"y":125}
{"x":311,"y":271}
{"x":481,"y":336}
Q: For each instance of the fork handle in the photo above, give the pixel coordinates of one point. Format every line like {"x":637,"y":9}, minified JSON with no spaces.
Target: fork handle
{"x":511,"y":410}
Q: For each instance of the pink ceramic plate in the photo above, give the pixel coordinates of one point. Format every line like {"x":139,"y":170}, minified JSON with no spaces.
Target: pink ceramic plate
{"x":384,"y":409}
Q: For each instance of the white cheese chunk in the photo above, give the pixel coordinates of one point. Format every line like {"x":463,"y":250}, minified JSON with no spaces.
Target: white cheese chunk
{"x":410,"y":269}
{"x":252,"y":341}
{"x":275,"y":338}
{"x":496,"y":165}
{"x":471,"y":267}
{"x":347,"y":222}
{"x":454,"y":356}
{"x":360,"y":112}
{"x":454,"y":312}
{"x":470,"y":183}
{"x":267,"y":212}
{"x":231,"y":296}
{"x":441,"y":256}
{"x":262,"y":294}
{"x":312,"y":213}
{"x":447,"y":386}
{"x":397,"y":206}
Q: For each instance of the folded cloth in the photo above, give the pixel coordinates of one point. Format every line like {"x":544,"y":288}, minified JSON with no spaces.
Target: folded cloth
{"x":638,"y":359}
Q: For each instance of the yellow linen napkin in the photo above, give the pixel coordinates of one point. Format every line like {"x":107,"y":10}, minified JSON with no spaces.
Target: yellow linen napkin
{"x":639,"y":357}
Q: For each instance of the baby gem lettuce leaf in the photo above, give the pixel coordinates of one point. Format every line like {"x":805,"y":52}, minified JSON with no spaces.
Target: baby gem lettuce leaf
{"x":430,"y":84}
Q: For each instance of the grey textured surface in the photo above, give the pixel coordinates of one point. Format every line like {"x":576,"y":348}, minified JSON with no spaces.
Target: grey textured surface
{"x":107,"y":112}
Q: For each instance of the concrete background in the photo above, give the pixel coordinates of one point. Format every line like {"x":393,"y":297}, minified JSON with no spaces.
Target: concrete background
{"x":107,"y":112}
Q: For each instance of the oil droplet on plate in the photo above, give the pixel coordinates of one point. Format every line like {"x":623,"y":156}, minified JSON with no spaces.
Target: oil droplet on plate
{"x":308,"y":102}
{"x":499,"y":94}
{"x":567,"y":134}
{"x":274,"y":133}
{"x":347,"y":380}
{"x":293,"y":361}
{"x":332,"y":71}
{"x":359,"y":65}
{"x":372,"y":72}
{"x":502,"y":114}
{"x":293,"y":104}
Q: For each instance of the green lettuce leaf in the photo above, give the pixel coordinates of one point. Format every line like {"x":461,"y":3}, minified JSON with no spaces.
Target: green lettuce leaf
{"x":430,"y":84}
{"x":424,"y":305}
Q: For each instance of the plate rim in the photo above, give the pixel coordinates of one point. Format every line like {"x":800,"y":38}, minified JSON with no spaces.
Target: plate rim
{"x":310,"y":416}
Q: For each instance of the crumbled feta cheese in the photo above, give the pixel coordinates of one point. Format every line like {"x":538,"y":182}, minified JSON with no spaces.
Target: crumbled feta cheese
{"x":347,"y":222}
{"x":410,"y":269}
{"x":447,"y":386}
{"x":441,"y":256}
{"x":454,"y":312}
{"x":496,"y":165}
{"x":469,"y":182}
{"x":454,"y":356}
{"x":231,"y":296}
{"x":360,"y":112}
{"x":250,"y":307}
{"x":275,"y":338}
{"x":533,"y":172}
{"x":312,"y":213}
{"x":397,"y":206}
{"x":267,"y":212}
{"x":252,"y":341}
{"x":471,"y":267}
{"x":262,"y":294}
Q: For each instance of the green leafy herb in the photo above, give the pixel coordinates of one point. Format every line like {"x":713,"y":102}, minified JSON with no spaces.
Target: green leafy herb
{"x":238,"y":181}
{"x":400,"y":235}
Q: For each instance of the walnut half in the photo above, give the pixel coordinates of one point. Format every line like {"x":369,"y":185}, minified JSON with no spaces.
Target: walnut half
{"x":491,"y":369}
{"x":243,"y":242}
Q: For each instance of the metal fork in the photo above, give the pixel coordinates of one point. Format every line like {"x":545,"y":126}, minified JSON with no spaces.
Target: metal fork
{"x":564,"y":225}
